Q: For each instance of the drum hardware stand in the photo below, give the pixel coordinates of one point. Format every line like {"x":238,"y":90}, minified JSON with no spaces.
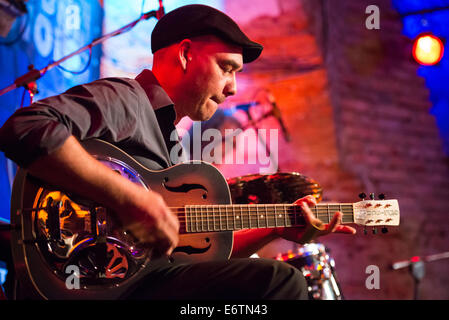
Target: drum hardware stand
{"x":416,"y":267}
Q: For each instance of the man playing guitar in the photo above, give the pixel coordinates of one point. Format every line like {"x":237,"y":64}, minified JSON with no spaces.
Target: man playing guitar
{"x":197,"y":52}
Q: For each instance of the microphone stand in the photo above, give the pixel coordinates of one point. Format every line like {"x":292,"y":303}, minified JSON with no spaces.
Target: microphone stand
{"x":28,"y":79}
{"x":252,"y":123}
{"x":416,"y":266}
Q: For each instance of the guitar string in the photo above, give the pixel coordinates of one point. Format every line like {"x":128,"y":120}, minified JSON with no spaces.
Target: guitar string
{"x":267,"y":214}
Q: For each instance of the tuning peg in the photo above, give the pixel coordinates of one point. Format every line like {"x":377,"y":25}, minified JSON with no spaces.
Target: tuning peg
{"x":362,"y":195}
{"x":382,"y":196}
{"x":374,"y":230}
{"x":384,"y":230}
{"x":365,"y":232}
{"x":372,"y":196}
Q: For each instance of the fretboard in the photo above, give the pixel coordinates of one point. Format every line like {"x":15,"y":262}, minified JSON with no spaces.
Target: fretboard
{"x":210,"y":218}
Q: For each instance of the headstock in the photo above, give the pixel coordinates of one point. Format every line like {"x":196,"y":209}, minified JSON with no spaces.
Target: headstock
{"x":373,"y":213}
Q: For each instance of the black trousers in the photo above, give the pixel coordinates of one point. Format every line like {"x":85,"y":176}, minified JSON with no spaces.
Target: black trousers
{"x":241,"y":279}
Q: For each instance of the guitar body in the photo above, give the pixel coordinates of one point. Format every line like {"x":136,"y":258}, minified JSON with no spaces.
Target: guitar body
{"x":57,"y":233}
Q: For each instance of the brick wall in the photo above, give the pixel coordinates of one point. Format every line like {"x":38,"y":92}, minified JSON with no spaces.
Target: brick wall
{"x":359,"y":118}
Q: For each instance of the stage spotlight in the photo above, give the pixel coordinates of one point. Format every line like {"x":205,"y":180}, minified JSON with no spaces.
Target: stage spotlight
{"x":428,"y":49}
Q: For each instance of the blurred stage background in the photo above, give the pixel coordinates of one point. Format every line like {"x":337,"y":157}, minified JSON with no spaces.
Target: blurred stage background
{"x":363,"y":115}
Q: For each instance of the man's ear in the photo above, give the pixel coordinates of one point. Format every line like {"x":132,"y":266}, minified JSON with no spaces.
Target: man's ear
{"x":185,"y":53}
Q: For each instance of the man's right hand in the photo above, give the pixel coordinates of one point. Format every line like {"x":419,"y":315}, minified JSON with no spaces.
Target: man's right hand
{"x":152,"y":223}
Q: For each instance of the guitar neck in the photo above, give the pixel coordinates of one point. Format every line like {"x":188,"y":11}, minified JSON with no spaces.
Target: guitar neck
{"x":210,"y":218}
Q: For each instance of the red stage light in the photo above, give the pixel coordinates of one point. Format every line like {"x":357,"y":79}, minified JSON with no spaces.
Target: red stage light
{"x":428,"y":50}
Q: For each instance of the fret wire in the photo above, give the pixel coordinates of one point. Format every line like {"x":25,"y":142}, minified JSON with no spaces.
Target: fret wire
{"x":249,"y":217}
{"x":208,"y":220}
{"x":285,"y":216}
{"x":227,"y":219}
{"x":236,"y":214}
{"x":194,"y":219}
{"x":198,"y":221}
{"x":295,"y":215}
{"x":200,"y":213}
{"x":187,"y":225}
{"x":231,"y":217}
{"x":214,"y":220}
{"x":219,"y":218}
{"x":233,"y":213}
{"x":340,"y":211}
{"x":191,"y":219}
{"x":192,"y":216}
{"x":266,"y":215}
{"x":237,"y":217}
{"x":248,"y":211}
{"x":200,"y":208}
{"x":214,"y":216}
{"x":257,"y":216}
{"x":275,"y":217}
{"x":202,"y":219}
{"x":240,"y":218}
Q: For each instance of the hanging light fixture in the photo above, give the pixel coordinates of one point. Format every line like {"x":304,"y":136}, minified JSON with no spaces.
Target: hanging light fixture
{"x":428,"y":49}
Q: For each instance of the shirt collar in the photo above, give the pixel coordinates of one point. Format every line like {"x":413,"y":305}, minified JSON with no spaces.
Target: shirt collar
{"x":157,"y":96}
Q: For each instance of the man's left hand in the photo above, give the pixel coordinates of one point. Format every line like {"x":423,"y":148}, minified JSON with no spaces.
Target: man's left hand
{"x":314,"y":227}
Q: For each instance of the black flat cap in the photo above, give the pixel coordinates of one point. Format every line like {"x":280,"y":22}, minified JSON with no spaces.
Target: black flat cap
{"x":199,"y":20}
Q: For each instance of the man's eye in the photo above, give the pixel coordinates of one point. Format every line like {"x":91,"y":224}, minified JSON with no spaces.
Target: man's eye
{"x":226,"y":69}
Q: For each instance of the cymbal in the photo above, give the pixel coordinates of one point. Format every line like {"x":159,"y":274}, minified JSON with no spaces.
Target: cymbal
{"x":275,"y":188}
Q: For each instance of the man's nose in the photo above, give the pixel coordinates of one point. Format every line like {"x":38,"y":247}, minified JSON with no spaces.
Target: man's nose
{"x":231,"y":86}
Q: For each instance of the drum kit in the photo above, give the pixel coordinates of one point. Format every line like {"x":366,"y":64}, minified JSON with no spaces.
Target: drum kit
{"x":312,"y":259}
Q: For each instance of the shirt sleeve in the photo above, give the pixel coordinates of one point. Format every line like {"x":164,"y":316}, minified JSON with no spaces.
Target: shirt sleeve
{"x":106,"y":108}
